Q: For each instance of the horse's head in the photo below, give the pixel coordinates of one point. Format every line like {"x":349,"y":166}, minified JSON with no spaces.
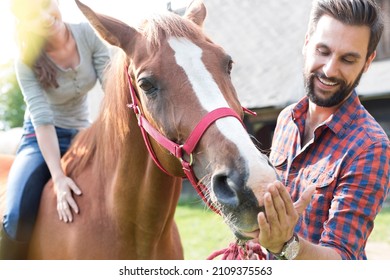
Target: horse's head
{"x":179,"y":76}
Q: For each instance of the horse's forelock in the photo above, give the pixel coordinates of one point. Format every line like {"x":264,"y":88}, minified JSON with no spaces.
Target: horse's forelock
{"x":167,"y":25}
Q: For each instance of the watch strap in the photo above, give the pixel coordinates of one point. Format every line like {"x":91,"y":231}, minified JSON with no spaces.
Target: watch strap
{"x":282,"y":254}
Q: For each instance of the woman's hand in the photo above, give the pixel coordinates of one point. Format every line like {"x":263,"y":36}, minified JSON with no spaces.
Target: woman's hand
{"x":65,"y":201}
{"x":63,"y":185}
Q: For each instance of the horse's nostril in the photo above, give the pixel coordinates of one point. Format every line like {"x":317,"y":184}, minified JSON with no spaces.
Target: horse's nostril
{"x":225,"y":189}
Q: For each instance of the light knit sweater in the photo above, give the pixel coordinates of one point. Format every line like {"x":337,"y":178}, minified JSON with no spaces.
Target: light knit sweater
{"x":66,"y":106}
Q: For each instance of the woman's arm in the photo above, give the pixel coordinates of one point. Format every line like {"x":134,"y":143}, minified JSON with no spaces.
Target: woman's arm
{"x":63,"y":185}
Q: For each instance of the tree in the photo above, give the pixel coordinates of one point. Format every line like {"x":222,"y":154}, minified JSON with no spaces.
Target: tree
{"x":12,"y":105}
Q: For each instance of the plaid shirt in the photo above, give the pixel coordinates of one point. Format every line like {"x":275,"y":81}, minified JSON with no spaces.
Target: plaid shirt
{"x":348,"y":162}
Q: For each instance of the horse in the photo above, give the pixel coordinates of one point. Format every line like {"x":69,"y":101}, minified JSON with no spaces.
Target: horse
{"x":169,"y":111}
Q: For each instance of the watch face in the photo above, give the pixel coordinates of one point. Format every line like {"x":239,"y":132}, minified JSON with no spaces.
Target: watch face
{"x":292,"y":249}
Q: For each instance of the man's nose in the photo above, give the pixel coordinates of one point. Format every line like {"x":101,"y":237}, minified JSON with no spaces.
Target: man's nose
{"x":330,"y":68}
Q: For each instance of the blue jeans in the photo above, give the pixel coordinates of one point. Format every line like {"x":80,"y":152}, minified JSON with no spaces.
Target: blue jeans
{"x":28,"y":175}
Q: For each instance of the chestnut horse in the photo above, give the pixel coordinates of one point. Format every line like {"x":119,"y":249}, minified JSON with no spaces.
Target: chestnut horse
{"x":128,"y":204}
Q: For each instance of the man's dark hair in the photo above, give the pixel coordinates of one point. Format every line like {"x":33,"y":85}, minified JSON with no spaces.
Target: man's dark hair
{"x":351,"y":12}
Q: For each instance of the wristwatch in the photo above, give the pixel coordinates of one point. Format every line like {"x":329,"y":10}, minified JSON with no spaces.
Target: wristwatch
{"x":290,"y":249}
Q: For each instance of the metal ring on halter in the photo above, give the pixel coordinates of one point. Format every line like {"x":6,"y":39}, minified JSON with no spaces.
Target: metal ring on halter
{"x":182,"y":155}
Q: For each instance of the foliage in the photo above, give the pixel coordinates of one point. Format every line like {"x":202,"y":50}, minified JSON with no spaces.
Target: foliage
{"x":12,"y":105}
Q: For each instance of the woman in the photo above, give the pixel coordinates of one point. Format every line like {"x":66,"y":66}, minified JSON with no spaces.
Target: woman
{"x":58,"y":64}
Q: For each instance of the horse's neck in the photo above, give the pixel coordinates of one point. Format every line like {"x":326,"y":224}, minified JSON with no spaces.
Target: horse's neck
{"x":144,"y":198}
{"x":139,"y":181}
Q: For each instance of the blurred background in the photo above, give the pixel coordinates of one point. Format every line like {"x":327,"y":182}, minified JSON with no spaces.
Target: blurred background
{"x":265,"y":39}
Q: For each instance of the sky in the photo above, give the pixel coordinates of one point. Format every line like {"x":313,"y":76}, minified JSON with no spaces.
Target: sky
{"x":129,"y":11}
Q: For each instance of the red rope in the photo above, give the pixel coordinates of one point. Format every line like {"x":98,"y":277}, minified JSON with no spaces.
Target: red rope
{"x":236,"y":251}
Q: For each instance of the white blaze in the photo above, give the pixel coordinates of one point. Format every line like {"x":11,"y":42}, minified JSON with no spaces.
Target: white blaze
{"x":189,"y":57}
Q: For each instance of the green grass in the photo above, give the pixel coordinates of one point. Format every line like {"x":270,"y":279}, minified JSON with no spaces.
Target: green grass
{"x":204,"y":232}
{"x":381,"y":232}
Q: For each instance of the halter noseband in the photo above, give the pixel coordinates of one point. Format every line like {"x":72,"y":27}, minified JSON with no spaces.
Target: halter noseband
{"x":189,"y":145}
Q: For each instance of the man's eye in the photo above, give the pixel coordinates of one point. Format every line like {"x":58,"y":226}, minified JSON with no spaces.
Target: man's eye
{"x":349,"y":60}
{"x":322,"y":52}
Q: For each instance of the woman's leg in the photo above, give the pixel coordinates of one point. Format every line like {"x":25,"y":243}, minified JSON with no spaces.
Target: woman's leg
{"x":27,"y":178}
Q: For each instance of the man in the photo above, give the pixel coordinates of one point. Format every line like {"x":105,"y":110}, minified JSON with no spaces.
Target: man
{"x":327,"y":145}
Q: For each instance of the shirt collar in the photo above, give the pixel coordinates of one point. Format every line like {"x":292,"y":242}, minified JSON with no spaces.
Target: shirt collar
{"x":339,"y":121}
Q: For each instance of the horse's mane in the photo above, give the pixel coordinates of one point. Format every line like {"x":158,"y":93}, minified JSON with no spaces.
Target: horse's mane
{"x":103,"y":141}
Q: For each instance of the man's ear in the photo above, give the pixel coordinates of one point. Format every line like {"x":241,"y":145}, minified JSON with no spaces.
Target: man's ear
{"x":369,"y":61}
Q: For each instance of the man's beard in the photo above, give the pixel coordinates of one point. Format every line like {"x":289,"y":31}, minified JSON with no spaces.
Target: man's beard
{"x":336,"y":98}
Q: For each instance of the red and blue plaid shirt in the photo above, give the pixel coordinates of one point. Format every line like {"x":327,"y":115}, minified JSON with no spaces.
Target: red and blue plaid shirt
{"x":348,"y":162}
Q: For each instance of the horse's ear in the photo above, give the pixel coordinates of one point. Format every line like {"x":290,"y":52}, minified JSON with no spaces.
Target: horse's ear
{"x":196,"y":11}
{"x":114,"y":31}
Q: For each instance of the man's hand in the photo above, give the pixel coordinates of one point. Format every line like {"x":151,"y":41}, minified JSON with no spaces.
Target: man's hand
{"x":277,"y":225}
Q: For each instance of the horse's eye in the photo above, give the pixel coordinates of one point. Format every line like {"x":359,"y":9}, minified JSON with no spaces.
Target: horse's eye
{"x":146,"y":86}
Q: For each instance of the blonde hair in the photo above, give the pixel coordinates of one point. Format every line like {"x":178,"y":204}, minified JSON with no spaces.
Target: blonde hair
{"x":31,"y":49}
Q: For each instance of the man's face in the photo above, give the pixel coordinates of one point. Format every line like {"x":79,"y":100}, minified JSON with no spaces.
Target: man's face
{"x":335,"y":59}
